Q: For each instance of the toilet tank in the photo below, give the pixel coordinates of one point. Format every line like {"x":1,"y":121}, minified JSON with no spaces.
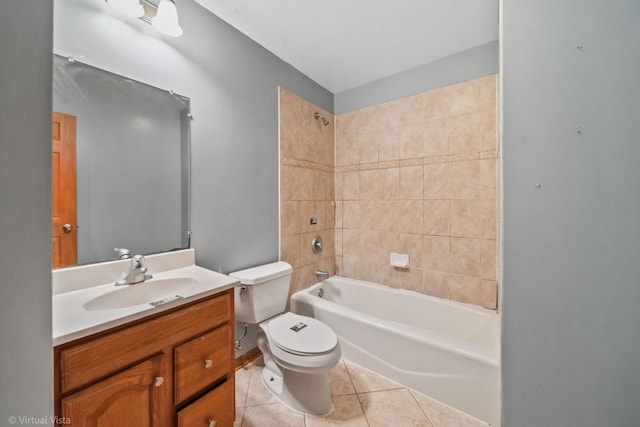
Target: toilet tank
{"x":263,"y":291}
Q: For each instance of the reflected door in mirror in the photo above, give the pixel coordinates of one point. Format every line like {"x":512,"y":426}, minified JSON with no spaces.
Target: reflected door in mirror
{"x":64,"y":237}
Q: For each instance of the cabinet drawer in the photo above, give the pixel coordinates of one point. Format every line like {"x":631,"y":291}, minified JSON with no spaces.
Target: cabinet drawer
{"x":84,"y":363}
{"x":202,"y":361}
{"x":214,"y":409}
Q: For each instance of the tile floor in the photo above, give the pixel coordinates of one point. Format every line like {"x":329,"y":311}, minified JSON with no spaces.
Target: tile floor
{"x":361,"y":398}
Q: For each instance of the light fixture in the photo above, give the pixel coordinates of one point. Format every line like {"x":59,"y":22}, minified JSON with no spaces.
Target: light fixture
{"x":163,"y":17}
{"x":166,"y":19}
{"x":131,"y":8}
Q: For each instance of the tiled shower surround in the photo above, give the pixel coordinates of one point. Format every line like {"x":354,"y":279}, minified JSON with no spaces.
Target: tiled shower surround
{"x":307,"y":189}
{"x":416,"y":176}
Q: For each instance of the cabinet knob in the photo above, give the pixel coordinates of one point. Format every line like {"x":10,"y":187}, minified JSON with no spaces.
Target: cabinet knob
{"x":208,"y":363}
{"x":212,"y":423}
{"x":158,"y":381}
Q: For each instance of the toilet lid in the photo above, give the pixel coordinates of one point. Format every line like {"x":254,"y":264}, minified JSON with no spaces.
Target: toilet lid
{"x":301,"y":334}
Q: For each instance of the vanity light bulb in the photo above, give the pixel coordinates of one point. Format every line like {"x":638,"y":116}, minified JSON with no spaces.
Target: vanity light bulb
{"x":131,"y":8}
{"x":166,"y":19}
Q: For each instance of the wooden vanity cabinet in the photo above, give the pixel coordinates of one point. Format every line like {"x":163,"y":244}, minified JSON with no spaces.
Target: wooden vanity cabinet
{"x":175,"y":368}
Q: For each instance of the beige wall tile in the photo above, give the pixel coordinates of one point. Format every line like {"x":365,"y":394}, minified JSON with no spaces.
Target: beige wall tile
{"x":437,"y":217}
{"x":386,"y":215}
{"x":350,"y":242}
{"x":475,"y":179}
{"x":350,"y":266}
{"x":351,"y":214}
{"x":412,"y":138}
{"x":289,"y":217}
{"x":411,"y":279}
{"x":289,"y":250}
{"x":330,"y":214}
{"x":369,"y":184}
{"x":412,"y":182}
{"x":465,"y":256}
{"x":338,"y":186}
{"x":388,"y":143}
{"x":437,"y":181}
{"x":367,"y":147}
{"x":351,"y":186}
{"x":437,"y":253}
{"x":409,"y":217}
{"x":436,"y":283}
{"x":466,"y":133}
{"x":288,"y":176}
{"x":489,"y":92}
{"x":338,"y":242}
{"x":305,"y":255}
{"x":319,"y":213}
{"x":417,"y":175}
{"x":339,"y":265}
{"x":307,"y":211}
{"x":436,"y":103}
{"x":489,"y":259}
{"x":380,"y":273}
{"x":412,"y":245}
{"x":465,"y":289}
{"x":465,"y":97}
{"x":489,"y":294}
{"x":347,"y":152}
{"x":473,"y":218}
{"x":370,"y":215}
{"x":388,"y":187}
{"x":328,"y":236}
{"x":338,"y":214}
{"x":374,"y":245}
{"x":321,"y":185}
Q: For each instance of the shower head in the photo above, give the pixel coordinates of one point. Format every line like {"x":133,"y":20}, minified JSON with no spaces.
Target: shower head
{"x":319,"y":116}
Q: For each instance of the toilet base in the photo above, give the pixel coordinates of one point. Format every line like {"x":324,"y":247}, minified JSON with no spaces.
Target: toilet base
{"x":304,"y":392}
{"x":299,"y":382}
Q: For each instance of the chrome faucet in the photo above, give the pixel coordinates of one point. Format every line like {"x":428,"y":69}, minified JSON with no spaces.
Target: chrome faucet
{"x":322,"y":274}
{"x":137,"y":272}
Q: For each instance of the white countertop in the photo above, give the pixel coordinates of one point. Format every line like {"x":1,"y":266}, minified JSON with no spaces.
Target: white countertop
{"x":86,"y":300}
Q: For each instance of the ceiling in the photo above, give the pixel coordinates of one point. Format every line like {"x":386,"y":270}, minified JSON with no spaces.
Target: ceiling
{"x":342,"y":44}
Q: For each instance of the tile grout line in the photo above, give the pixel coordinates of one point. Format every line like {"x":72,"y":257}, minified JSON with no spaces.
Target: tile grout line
{"x":421,"y":408}
{"x":346,"y":368}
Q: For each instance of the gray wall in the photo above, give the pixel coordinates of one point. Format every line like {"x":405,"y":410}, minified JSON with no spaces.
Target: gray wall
{"x":233,"y":86}
{"x":26,"y":374}
{"x":466,"y":65}
{"x":571,"y":319}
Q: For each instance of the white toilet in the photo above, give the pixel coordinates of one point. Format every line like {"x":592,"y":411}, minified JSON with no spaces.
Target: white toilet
{"x":298,"y":351}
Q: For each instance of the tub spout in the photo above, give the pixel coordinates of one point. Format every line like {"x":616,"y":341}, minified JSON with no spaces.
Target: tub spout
{"x":322,"y":274}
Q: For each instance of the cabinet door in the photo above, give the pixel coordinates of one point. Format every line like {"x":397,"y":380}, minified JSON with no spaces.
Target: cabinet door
{"x":130,"y":398}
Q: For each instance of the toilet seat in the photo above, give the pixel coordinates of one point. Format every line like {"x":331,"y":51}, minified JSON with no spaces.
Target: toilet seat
{"x":301,"y":335}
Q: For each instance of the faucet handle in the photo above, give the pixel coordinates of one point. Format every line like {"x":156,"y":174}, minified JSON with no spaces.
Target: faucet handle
{"x":123,"y":253}
{"x":138,"y":261}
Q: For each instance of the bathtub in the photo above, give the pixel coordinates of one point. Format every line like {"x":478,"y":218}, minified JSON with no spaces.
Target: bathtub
{"x":444,"y":349}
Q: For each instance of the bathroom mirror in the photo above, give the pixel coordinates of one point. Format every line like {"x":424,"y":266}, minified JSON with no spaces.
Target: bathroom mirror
{"x":132,"y":148}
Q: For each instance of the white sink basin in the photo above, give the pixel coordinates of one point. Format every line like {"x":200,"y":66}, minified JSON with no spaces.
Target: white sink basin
{"x":154,"y":292}
{"x":86,"y":301}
